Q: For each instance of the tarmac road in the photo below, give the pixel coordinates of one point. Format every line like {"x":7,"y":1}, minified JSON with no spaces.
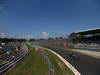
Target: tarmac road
{"x":86,"y":65}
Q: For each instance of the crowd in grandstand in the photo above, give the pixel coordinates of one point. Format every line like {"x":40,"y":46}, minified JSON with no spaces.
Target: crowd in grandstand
{"x":89,"y":40}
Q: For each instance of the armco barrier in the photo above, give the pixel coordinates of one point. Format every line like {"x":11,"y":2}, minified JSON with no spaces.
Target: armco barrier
{"x":66,"y":62}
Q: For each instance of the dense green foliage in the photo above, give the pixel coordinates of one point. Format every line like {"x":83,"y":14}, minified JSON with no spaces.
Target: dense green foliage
{"x":12,"y":40}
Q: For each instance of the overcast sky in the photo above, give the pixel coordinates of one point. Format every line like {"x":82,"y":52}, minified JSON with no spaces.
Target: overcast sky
{"x":48,"y":17}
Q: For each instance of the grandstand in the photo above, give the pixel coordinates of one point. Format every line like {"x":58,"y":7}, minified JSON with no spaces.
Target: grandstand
{"x":87,"y":39}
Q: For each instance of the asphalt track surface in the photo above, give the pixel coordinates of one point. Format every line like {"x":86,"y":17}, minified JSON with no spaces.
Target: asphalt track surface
{"x":86,"y":65}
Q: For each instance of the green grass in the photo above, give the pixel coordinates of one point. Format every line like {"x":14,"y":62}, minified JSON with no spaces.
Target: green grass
{"x":33,"y":64}
{"x":55,"y":46}
{"x":59,"y":66}
{"x":51,"y":45}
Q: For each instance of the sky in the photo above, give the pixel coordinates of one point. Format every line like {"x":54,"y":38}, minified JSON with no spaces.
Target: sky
{"x":42,"y":18}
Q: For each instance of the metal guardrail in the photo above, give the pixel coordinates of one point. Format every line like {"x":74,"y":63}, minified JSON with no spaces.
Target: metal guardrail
{"x":9,"y":61}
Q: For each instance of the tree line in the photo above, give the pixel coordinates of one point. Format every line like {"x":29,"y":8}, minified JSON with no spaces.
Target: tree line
{"x":5,"y":40}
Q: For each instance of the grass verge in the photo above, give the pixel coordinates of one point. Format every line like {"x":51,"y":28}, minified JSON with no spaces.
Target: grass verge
{"x":55,"y":46}
{"x":59,"y":66}
{"x":33,"y":64}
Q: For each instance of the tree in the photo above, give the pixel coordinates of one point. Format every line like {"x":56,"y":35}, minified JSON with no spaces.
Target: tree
{"x":32,"y":40}
{"x":74,"y":38}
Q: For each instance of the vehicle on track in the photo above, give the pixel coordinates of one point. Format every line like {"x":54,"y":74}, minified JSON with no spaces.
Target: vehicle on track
{"x":74,"y":56}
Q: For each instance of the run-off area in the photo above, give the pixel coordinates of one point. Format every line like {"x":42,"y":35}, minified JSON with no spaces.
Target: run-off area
{"x":40,"y":61}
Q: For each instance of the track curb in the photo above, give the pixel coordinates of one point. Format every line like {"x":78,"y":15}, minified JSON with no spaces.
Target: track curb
{"x":65,"y":61}
{"x":62,"y":59}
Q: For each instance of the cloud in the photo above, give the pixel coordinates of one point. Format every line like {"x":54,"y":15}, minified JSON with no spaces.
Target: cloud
{"x":29,"y":36}
{"x":3,"y":35}
{"x":45,"y":34}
